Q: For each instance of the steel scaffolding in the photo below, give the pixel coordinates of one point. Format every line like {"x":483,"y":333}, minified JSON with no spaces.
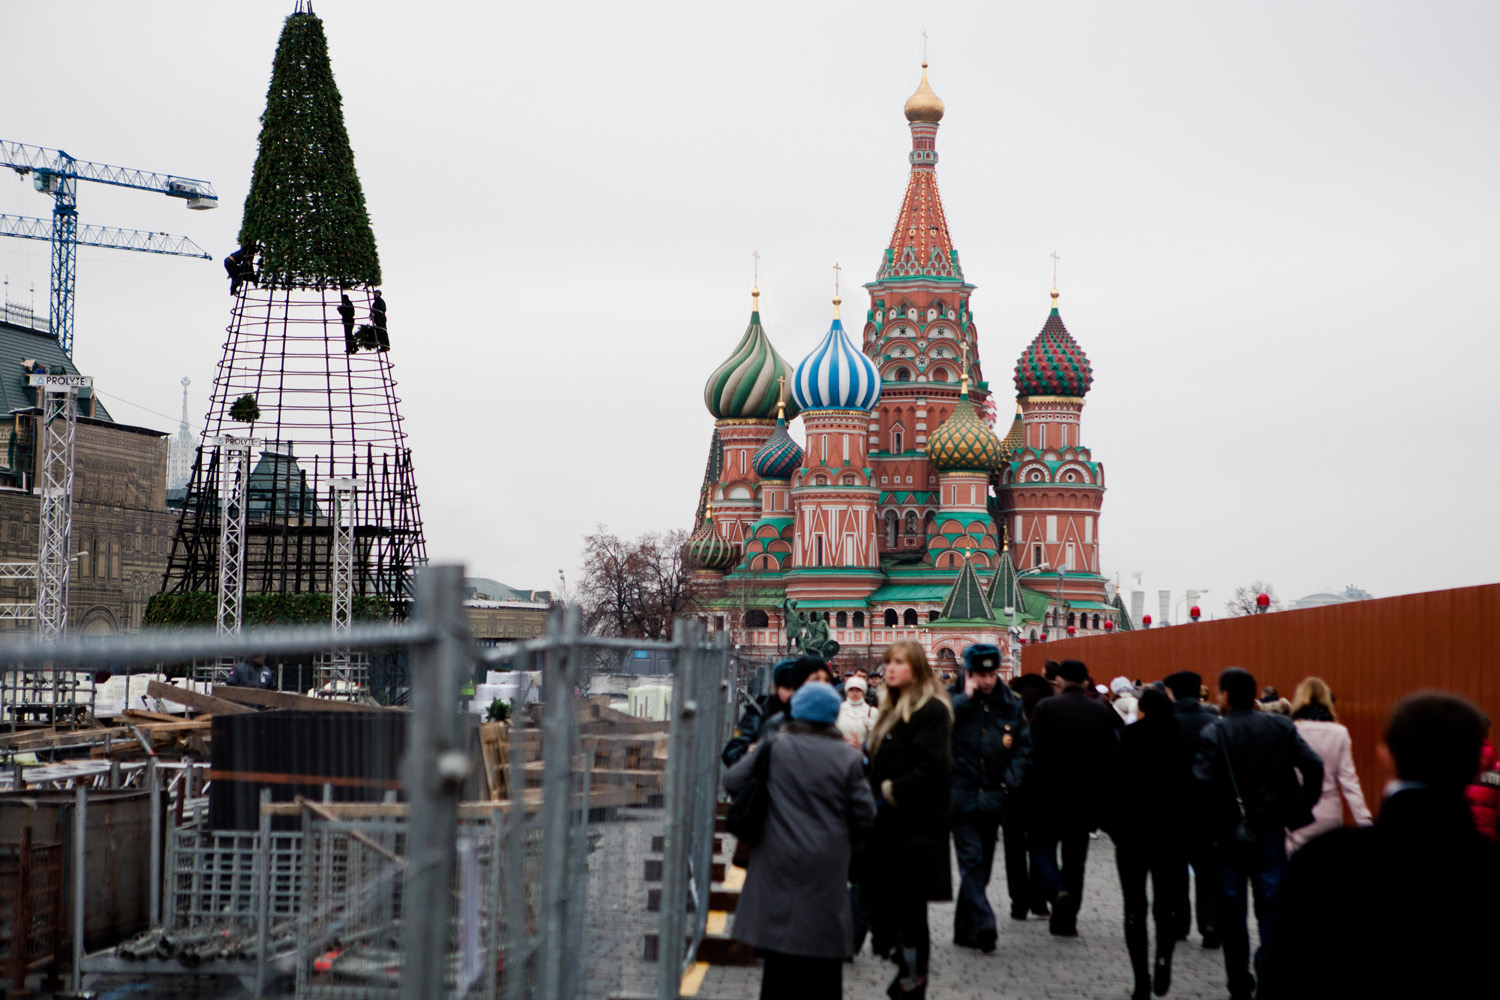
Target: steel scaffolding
{"x":339,"y":675}
{"x":234,"y":467}
{"x":59,"y":404}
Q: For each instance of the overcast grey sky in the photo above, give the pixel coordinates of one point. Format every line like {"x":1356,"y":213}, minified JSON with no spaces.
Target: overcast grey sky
{"x":1277,"y":224}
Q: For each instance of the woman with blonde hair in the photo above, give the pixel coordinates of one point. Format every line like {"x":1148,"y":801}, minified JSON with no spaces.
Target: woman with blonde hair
{"x":911,"y":763}
{"x":1318,"y":724}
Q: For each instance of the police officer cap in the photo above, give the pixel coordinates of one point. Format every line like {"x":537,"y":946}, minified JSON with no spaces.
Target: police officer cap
{"x":982,"y":658}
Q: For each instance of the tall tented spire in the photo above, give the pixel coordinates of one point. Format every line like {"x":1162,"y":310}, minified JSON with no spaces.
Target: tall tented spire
{"x":967,"y":600}
{"x":305,"y":209}
{"x":920,"y":244}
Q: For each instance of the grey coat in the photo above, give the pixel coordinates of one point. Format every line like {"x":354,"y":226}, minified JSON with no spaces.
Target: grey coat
{"x":796,"y":895}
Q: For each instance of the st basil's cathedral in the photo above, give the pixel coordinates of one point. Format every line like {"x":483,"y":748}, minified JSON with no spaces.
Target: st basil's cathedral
{"x":904,"y":515}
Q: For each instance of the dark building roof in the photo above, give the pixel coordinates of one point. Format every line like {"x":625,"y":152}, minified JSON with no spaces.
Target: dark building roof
{"x":18,"y":344}
{"x":278,"y":486}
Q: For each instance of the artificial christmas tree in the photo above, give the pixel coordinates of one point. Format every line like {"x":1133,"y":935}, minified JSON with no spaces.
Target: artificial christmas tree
{"x":329,"y":469}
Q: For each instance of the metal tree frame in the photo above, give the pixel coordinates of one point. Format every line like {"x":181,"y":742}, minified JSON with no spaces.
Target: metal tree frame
{"x":325,"y":414}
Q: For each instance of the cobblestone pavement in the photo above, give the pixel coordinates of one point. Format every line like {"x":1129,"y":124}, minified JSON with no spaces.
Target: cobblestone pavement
{"x":1029,"y":961}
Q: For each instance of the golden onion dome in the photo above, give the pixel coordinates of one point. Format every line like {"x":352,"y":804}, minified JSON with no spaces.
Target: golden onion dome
{"x":924,"y":105}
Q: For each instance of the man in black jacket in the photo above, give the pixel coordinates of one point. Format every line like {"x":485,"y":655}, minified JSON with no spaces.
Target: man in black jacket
{"x":1192,"y":716}
{"x":1074,"y":741}
{"x":991,"y":749}
{"x":764,"y":716}
{"x":1248,"y":764}
{"x":1404,"y":908}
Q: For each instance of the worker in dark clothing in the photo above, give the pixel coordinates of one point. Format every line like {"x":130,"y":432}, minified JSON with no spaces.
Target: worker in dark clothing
{"x":250,"y":672}
{"x":346,"y":313}
{"x":377,"y":316}
{"x":991,"y":749}
{"x":240,"y":266}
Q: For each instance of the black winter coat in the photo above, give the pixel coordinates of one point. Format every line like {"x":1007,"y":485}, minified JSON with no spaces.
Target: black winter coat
{"x":910,"y":840}
{"x":1149,"y":799}
{"x":1267,"y":755}
{"x":985,"y":771}
{"x":1074,"y":740}
{"x":760,"y":718}
{"x":1404,"y":908}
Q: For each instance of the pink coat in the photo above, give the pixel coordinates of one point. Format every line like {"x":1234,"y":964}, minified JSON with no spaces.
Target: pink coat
{"x":1330,"y":741}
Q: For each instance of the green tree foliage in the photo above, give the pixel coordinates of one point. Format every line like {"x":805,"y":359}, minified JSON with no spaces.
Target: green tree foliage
{"x":305,"y":209}
{"x":200,"y":608}
{"x":245,"y":409}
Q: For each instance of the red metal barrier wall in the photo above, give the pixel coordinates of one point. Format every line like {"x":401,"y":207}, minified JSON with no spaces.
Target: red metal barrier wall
{"x":1370,"y":653}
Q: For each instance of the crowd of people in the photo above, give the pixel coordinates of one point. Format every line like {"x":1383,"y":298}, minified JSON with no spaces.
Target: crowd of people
{"x":875,"y":783}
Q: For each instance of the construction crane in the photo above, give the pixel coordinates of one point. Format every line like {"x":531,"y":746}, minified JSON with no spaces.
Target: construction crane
{"x":56,"y":173}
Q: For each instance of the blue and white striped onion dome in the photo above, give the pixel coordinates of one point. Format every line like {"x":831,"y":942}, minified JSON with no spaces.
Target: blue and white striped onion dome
{"x":836,"y":375}
{"x":780,"y":456}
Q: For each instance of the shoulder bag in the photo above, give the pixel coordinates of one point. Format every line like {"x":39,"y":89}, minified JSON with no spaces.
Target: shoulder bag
{"x":1243,"y":840}
{"x":746,"y":818}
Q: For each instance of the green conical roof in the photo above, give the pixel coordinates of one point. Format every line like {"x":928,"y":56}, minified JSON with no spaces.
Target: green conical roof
{"x":966,"y":601}
{"x":1003,"y":583}
{"x":305,"y":209}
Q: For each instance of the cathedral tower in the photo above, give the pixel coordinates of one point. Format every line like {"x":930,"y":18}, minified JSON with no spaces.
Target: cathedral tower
{"x":743,"y":394}
{"x":1052,"y":489}
{"x":834,"y":555}
{"x":917,"y":329}
{"x":964,"y":451}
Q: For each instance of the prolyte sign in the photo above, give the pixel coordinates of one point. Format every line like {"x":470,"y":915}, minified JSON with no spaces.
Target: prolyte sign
{"x":59,"y":382}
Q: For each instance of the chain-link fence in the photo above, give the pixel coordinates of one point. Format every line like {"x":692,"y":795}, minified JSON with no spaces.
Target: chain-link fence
{"x":567,"y":853}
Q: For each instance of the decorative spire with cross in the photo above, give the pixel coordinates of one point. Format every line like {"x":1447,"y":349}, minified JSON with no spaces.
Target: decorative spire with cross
{"x":1055,"y":259}
{"x":963,"y":374}
{"x":781,"y":398}
{"x":755,"y":288}
{"x":924,"y":50}
{"x":837,"y":300}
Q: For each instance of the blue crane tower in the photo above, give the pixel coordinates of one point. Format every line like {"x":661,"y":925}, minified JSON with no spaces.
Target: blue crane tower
{"x":56,"y":173}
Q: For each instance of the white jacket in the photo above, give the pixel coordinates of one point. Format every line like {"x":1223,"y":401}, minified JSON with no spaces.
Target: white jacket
{"x":857,"y":720}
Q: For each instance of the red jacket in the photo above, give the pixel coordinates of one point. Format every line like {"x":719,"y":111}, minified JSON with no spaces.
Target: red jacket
{"x":1484,"y":794}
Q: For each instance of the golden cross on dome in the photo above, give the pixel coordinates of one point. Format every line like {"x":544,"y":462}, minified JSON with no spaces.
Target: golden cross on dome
{"x":1055,"y":259}
{"x":781,"y":398}
{"x":963,"y":376}
{"x":756,"y":255}
{"x":836,"y":270}
{"x":924,"y":50}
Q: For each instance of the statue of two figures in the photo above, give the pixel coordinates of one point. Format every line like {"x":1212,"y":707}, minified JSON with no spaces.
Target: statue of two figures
{"x":807,"y":632}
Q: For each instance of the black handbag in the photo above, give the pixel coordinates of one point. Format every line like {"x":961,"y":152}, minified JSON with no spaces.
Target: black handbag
{"x":1243,"y":840}
{"x":746,"y":818}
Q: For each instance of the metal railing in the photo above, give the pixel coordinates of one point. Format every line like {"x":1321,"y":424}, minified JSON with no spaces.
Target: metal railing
{"x":427,"y":898}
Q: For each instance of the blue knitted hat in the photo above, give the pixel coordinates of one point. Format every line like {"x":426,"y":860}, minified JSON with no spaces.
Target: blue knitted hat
{"x":816,"y":702}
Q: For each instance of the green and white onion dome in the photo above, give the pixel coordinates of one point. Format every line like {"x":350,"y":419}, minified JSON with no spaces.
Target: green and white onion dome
{"x":747,"y":386}
{"x":706,"y":550}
